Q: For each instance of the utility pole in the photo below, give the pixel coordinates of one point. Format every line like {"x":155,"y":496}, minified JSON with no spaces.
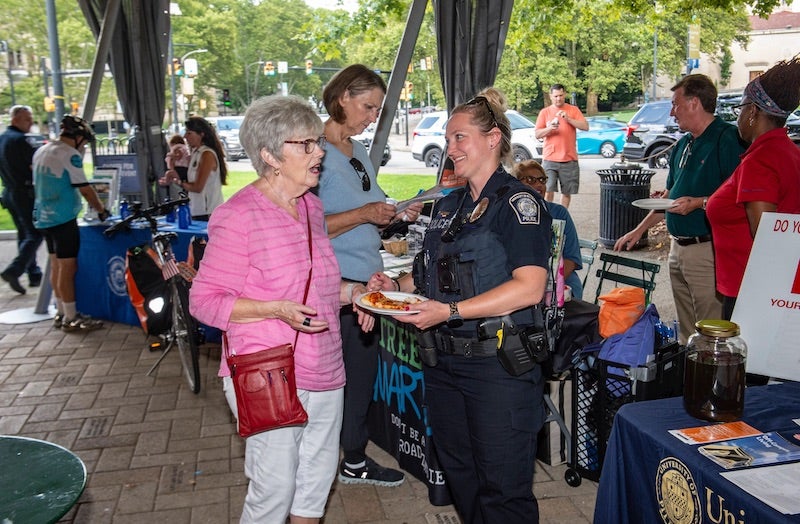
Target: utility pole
{"x":4,"y":49}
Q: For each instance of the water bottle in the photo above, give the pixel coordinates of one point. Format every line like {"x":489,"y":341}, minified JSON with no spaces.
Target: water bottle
{"x":123,"y":209}
{"x":170,"y":216}
{"x":184,"y":216}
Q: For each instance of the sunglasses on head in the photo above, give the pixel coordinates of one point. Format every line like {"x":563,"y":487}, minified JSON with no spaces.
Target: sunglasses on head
{"x":483,"y":100}
{"x":361,"y":171}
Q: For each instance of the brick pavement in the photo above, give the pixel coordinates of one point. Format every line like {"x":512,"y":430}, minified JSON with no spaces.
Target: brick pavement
{"x":155,"y":452}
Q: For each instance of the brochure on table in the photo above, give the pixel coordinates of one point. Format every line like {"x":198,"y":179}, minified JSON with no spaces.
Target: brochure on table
{"x":768,"y":306}
{"x":105,"y":182}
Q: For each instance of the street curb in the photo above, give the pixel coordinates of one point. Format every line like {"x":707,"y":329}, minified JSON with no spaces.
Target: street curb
{"x":8,"y":235}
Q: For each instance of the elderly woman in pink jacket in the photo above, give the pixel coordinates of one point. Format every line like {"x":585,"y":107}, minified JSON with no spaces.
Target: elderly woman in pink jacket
{"x":251,"y":284}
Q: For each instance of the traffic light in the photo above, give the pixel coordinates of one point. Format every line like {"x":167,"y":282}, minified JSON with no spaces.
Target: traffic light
{"x":74,"y":106}
{"x":410,"y":90}
{"x":226,"y":97}
{"x":177,"y":67}
{"x":428,"y":63}
{"x":49,"y":104}
{"x":269,"y":68}
{"x":309,"y":67}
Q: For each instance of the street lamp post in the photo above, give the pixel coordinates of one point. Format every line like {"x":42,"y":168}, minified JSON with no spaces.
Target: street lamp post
{"x":247,"y":80}
{"x":4,"y":49}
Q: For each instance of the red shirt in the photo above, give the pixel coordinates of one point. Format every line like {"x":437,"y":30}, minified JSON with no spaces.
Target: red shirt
{"x":769,"y":172}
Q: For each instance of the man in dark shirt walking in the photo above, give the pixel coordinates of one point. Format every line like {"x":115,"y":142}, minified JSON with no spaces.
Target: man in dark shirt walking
{"x":16,"y":156}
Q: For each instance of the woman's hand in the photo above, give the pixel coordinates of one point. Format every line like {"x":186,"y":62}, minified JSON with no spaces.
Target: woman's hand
{"x":365,"y":319}
{"x":431,"y":313}
{"x":411,"y":213}
{"x":381,"y":282}
{"x":169,"y":177}
{"x":378,"y":213}
{"x":299,"y":316}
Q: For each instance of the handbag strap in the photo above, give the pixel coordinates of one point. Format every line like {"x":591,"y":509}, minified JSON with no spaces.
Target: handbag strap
{"x":308,"y":282}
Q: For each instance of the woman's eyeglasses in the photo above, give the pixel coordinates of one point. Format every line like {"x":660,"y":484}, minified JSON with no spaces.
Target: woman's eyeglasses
{"x":309,"y":143}
{"x":483,"y":100}
{"x":737,"y":109}
{"x":533,"y":179}
{"x":362,"y":171}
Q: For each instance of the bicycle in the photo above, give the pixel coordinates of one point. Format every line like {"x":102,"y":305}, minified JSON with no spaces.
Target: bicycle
{"x":182,"y":330}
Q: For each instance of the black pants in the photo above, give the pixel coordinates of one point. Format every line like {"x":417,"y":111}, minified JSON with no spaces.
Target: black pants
{"x":361,"y":367}
{"x":20,"y":207}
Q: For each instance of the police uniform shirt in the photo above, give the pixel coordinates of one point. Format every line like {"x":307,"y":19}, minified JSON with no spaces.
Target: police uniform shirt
{"x":519,"y":221}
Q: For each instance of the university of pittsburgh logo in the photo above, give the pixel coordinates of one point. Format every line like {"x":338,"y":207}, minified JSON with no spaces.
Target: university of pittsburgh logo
{"x":676,"y":493}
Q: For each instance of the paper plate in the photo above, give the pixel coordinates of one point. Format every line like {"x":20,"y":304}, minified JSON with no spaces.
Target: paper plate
{"x":654,"y":203}
{"x":394,"y":295}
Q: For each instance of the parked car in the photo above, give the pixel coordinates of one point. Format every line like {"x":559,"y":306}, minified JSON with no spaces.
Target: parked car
{"x":36,"y":140}
{"x":652,"y":131}
{"x":228,"y":131}
{"x":428,"y":143}
{"x":793,"y":125}
{"x":604,"y":137}
{"x":366,"y":139}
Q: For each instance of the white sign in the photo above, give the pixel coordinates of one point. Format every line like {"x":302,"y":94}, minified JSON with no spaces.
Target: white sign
{"x":283,"y":67}
{"x":768,"y":306}
{"x":190,"y":67}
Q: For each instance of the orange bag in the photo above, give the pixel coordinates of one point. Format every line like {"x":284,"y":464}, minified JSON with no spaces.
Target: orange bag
{"x":620,"y":309}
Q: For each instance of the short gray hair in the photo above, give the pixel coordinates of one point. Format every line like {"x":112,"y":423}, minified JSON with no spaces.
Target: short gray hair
{"x":15,"y":110}
{"x":270,"y":120}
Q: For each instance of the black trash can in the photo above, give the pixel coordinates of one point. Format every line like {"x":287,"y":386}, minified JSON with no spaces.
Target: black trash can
{"x":619,"y":186}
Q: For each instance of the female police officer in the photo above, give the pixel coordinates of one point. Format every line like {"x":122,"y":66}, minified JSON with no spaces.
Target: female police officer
{"x":483,"y":266}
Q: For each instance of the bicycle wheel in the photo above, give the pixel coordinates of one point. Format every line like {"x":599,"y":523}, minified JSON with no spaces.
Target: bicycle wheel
{"x":183,"y":331}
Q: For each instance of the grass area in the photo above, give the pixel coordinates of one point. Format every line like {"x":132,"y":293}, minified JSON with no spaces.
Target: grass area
{"x":399,"y":187}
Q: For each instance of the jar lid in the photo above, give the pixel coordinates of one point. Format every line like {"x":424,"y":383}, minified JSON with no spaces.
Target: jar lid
{"x":717,"y":328}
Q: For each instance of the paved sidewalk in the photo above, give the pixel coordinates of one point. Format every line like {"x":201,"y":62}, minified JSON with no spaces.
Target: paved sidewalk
{"x":157,"y":453}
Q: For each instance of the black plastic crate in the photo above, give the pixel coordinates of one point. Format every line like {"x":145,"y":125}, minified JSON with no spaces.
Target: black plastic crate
{"x":600,"y":387}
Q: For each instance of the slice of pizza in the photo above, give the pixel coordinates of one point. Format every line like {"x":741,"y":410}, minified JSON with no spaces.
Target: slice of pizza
{"x":378,"y":300}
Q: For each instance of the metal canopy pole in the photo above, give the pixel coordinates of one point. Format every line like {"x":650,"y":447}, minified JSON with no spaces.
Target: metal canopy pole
{"x":100,"y":58}
{"x":396,"y":79}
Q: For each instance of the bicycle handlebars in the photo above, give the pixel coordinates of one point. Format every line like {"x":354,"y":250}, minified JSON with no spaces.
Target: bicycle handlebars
{"x":149,"y":214}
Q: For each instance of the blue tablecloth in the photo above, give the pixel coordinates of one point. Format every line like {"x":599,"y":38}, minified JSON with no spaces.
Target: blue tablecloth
{"x":648,"y":472}
{"x":100,"y":289}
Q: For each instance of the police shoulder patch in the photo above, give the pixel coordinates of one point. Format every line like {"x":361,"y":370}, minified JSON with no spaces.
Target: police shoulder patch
{"x":76,"y":161}
{"x":525,"y":207}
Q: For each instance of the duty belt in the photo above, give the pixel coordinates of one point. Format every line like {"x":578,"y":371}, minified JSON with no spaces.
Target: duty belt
{"x":688,"y":241}
{"x":468,"y":347}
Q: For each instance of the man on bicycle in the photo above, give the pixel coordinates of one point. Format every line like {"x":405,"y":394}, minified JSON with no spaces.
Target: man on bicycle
{"x":59,"y":182}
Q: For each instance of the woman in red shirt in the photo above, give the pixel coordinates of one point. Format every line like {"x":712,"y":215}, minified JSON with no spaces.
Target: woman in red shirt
{"x":767,"y":179}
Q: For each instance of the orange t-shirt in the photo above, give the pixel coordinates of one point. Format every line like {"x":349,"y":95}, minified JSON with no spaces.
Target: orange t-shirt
{"x":559,"y":145}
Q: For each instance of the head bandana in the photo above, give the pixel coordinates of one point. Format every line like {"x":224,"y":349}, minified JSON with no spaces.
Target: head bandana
{"x":755,"y":93}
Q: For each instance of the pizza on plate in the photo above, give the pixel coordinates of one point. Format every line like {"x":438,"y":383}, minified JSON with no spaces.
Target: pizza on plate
{"x":378,"y":300}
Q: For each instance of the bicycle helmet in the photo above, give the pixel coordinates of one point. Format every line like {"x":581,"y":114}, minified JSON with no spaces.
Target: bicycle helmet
{"x":75,"y":126}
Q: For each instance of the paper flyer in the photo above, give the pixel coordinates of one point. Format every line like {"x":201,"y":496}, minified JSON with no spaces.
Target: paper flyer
{"x":714,"y":432}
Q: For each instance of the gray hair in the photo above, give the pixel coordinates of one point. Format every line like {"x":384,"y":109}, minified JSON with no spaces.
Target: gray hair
{"x":270,"y":120}
{"x":15,"y":110}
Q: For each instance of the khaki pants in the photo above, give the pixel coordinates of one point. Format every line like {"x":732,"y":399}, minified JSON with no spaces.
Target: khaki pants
{"x":691,"y":273}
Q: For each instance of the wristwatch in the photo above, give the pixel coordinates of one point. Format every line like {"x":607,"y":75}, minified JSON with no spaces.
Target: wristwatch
{"x":705,"y":203}
{"x":455,"y":320}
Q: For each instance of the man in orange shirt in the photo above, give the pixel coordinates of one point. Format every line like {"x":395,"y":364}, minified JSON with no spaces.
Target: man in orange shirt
{"x":557,"y":125}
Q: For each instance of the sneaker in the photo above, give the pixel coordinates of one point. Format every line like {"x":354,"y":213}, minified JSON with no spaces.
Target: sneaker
{"x":80,"y":323}
{"x":13,"y":282}
{"x":58,"y":320}
{"x":370,"y":473}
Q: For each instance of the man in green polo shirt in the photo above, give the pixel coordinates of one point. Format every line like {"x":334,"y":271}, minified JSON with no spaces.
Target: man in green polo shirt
{"x":701,"y":160}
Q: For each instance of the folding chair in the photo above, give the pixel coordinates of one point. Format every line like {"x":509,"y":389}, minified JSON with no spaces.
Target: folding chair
{"x":627,"y":271}
{"x":588,"y":248}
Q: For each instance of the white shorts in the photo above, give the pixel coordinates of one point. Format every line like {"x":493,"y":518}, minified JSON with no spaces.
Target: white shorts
{"x":291,"y":470}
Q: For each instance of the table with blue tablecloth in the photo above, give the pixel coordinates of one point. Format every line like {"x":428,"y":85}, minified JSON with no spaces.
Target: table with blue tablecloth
{"x":100,"y":289}
{"x":651,"y":476}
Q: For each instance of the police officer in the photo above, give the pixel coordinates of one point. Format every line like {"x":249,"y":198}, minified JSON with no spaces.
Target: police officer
{"x":484,"y":267}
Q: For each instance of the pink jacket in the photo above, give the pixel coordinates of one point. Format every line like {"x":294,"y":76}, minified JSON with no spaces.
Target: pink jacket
{"x":256,"y":250}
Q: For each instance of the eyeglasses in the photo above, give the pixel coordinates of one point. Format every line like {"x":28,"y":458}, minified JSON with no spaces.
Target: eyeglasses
{"x":309,"y":143}
{"x":362,"y":171}
{"x":482,"y":99}
{"x":737,"y":109}
{"x":532,"y":179}
{"x":685,"y":154}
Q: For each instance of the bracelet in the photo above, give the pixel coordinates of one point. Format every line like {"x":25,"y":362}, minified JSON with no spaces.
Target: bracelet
{"x":396,"y":283}
{"x":348,"y":291}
